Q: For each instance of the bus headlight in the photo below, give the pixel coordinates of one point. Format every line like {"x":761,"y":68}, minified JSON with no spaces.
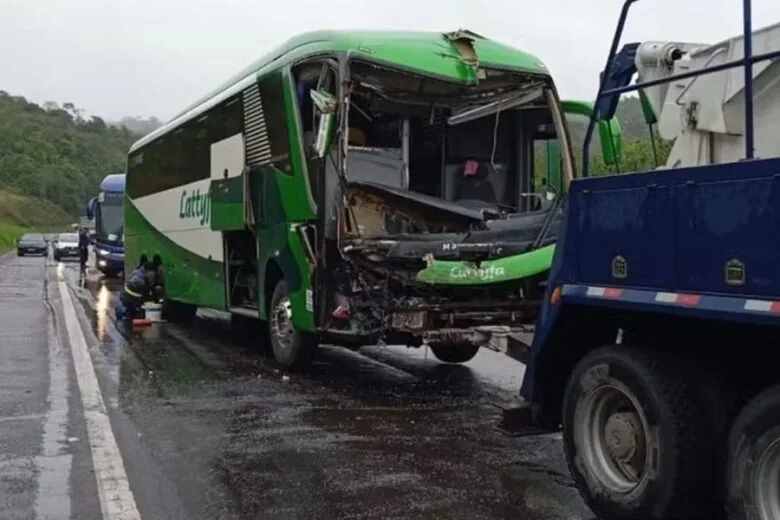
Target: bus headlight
{"x":102,"y":252}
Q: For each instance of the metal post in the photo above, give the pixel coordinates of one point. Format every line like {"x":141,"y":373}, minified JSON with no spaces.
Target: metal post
{"x":748,"y":46}
{"x":607,"y":69}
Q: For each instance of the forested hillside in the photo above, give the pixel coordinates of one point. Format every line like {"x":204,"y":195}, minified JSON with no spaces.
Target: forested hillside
{"x":55,"y":153}
{"x":139,"y":125}
{"x":19,"y":213}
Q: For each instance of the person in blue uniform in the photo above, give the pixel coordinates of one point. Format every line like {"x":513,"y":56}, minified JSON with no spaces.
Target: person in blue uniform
{"x":142,"y":285}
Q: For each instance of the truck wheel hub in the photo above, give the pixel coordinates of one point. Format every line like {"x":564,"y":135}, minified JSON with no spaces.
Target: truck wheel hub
{"x":621,"y":435}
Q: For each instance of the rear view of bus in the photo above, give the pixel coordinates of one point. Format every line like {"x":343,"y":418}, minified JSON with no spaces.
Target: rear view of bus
{"x":107,"y":210}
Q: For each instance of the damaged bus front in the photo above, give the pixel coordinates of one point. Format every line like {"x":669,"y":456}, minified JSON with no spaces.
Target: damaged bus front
{"x":440,"y":193}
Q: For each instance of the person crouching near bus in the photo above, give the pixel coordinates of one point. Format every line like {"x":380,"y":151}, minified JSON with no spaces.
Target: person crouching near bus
{"x":141,"y":286}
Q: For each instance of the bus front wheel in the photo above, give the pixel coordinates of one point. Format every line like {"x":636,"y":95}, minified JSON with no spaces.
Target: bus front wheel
{"x":457,"y":353}
{"x":292,"y":348}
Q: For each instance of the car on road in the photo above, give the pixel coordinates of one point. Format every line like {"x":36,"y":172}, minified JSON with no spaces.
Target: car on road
{"x":66,"y":245}
{"x":32,"y":244}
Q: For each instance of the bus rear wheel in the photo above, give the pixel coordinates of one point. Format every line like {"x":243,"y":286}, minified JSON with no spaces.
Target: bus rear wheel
{"x":639,"y":442}
{"x":754,"y":460}
{"x":178,"y":311}
{"x":292,"y":348}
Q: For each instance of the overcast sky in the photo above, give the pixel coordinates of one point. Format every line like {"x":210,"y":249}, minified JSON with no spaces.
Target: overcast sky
{"x":152,"y":57}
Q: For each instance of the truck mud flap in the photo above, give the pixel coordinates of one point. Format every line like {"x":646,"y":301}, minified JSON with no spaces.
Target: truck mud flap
{"x":518,"y":421}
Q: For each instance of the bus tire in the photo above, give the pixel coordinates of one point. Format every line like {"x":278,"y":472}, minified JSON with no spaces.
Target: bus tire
{"x":454,"y":353}
{"x":639,"y":442}
{"x":178,"y":312}
{"x":753,"y":471}
{"x":246,"y":330}
{"x":293,"y":349}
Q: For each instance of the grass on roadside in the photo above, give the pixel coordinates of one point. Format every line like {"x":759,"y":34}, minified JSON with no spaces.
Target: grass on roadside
{"x":20,"y":215}
{"x":9,"y":234}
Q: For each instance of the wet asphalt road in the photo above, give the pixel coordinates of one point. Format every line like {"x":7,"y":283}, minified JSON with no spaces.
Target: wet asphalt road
{"x":207,"y":428}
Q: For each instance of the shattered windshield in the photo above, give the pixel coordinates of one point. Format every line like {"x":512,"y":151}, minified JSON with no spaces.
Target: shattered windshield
{"x":472,"y":148}
{"x":477,"y":150}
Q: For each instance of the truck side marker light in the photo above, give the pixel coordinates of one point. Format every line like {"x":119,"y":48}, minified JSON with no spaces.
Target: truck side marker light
{"x":555,"y":296}
{"x":676,"y":298}
{"x":762,"y":306}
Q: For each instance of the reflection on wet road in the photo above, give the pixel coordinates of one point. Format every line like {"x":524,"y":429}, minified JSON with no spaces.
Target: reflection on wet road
{"x":208,"y":428}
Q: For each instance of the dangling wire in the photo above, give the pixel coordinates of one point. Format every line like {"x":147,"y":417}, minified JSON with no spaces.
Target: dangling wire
{"x":495,"y":141}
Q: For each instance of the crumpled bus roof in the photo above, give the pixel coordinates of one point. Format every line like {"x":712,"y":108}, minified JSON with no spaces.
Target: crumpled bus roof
{"x":430,"y":53}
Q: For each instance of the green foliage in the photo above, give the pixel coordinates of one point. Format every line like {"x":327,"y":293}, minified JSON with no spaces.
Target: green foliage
{"x":19,"y":214}
{"x":30,"y":212}
{"x":139,"y":125}
{"x":54,"y":153}
{"x":638,"y":152}
{"x":9,"y":234}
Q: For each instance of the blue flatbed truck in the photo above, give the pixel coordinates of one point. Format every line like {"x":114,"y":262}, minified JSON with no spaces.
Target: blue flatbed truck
{"x":657,"y":347}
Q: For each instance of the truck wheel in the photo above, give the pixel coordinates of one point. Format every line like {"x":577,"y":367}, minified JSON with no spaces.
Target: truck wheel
{"x":753,"y":481}
{"x":454,"y":353}
{"x":292,"y":348}
{"x":638,"y":442}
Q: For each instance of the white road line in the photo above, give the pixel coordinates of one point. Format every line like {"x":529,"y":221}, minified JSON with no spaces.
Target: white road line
{"x":55,"y":463}
{"x":116,"y":498}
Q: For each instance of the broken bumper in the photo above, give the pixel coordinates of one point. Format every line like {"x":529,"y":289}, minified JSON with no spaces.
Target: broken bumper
{"x":512,"y":341}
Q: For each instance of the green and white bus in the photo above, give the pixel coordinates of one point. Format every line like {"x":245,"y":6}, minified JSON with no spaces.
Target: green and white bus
{"x":356,"y":188}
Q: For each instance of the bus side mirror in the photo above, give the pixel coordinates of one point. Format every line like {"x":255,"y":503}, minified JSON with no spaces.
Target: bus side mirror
{"x":611,"y":137}
{"x":91,"y":208}
{"x":610,"y":133}
{"x":328,"y":106}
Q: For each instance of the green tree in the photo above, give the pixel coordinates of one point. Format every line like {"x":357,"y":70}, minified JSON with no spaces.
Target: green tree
{"x":55,"y":153}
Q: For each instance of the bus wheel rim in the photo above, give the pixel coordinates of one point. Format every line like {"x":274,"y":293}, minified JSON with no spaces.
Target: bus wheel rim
{"x":612,"y":435}
{"x":767,"y":483}
{"x":281,"y":324}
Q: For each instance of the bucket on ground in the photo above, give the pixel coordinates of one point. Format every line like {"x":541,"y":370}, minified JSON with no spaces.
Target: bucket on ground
{"x":153,"y":312}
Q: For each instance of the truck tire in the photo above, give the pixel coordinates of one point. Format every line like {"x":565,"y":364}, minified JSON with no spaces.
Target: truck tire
{"x":293,"y":349}
{"x":639,"y":437}
{"x":753,"y":476}
{"x":454,"y":353}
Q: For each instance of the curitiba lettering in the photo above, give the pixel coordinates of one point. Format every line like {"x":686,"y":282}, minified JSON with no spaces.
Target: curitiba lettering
{"x":195,"y":205}
{"x":483,"y":273}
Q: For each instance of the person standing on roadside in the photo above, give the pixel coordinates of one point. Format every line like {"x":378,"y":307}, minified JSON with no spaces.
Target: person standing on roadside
{"x":83,"y":250}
